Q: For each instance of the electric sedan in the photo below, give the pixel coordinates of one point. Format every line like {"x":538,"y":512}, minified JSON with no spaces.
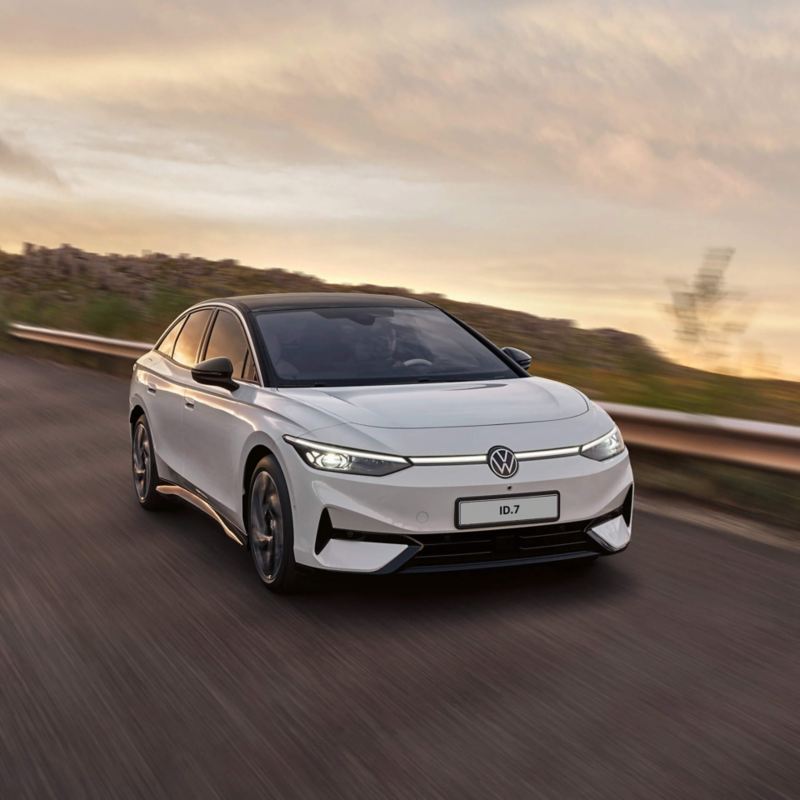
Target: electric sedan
{"x":370,"y":433}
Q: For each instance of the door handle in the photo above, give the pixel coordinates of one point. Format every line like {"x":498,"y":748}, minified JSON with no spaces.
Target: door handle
{"x":151,"y":389}
{"x":189,"y":402}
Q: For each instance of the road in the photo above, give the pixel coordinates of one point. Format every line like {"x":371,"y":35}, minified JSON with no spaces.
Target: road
{"x":139,"y":657}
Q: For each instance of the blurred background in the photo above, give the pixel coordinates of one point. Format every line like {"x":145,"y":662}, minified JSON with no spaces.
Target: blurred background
{"x":611,"y":185}
{"x":571,"y":160}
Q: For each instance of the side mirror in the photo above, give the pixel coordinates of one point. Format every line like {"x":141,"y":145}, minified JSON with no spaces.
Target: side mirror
{"x":216,"y":372}
{"x":520,"y":356}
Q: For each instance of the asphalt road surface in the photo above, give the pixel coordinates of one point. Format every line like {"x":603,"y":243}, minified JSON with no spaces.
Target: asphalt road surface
{"x":140,"y":657}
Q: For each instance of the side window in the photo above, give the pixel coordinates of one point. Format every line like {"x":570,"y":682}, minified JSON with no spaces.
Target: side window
{"x":249,"y":373}
{"x":168,"y":342}
{"x":228,"y":339}
{"x":190,"y":337}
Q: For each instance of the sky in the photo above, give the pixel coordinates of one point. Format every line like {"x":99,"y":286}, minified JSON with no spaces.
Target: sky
{"x":565,"y":158}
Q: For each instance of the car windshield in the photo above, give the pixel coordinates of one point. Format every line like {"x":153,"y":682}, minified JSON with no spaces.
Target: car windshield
{"x":368,"y":346}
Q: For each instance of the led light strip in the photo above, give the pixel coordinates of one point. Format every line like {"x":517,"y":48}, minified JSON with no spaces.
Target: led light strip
{"x":527,"y":455}
{"x":530,"y":455}
{"x":422,"y":461}
{"x":430,"y":460}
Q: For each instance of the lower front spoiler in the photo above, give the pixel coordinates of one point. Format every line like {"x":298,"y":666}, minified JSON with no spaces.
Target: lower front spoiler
{"x":485,"y":549}
{"x":495,"y":564}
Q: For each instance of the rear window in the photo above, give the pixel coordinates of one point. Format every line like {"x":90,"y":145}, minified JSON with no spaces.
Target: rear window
{"x":168,"y":342}
{"x":190,"y":337}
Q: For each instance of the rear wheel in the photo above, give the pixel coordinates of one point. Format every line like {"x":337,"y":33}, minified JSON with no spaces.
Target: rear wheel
{"x":143,"y":463}
{"x":270,"y":532}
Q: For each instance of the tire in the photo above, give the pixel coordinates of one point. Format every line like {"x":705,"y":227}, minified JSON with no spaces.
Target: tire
{"x":270,"y":531}
{"x":143,"y":466}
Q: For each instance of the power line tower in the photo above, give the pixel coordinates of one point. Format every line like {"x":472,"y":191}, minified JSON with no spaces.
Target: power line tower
{"x":707,"y":314}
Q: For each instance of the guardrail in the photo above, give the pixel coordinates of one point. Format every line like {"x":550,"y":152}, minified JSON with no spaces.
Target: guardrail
{"x":79,"y":341}
{"x":763,"y":445}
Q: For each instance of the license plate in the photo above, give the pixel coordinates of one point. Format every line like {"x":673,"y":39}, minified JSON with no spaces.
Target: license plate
{"x":507,"y":510}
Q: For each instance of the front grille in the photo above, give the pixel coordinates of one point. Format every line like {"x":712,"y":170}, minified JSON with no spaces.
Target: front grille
{"x":524,"y":545}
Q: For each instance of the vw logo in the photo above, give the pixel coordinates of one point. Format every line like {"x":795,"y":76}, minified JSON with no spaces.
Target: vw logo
{"x":502,"y":462}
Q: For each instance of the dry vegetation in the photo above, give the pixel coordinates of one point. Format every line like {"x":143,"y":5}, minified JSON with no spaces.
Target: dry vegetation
{"x":136,"y":296}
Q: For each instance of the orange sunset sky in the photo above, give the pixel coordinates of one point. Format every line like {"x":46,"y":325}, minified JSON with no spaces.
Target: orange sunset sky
{"x":564,"y":158}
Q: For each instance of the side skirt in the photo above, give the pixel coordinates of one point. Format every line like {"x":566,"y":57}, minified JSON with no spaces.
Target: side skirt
{"x":203,"y":505}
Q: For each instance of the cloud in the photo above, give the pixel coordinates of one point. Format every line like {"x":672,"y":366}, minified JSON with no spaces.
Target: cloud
{"x":677,"y":104}
{"x":642,"y":103}
{"x":19,"y":163}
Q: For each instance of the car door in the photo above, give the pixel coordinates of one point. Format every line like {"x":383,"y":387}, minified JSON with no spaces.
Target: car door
{"x":218,"y":421}
{"x":162,"y":398}
{"x":166,"y":387}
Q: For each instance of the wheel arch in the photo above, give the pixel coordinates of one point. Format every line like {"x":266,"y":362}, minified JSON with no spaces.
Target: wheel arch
{"x":255,"y":450}
{"x":136,"y":412}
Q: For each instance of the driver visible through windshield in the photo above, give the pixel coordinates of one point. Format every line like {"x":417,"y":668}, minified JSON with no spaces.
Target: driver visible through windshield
{"x":365,"y":345}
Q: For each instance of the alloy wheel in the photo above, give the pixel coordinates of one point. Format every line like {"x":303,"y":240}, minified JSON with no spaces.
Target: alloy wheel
{"x":266,"y":526}
{"x":142,"y":460}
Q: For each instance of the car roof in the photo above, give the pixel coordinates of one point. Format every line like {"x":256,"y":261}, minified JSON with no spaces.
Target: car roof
{"x":298,"y":300}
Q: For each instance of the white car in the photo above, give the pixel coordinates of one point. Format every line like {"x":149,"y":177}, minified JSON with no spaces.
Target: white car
{"x":370,"y":433}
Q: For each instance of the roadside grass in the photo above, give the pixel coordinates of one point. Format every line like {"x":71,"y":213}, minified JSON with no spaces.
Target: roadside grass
{"x":165,"y":305}
{"x":109,"y":316}
{"x":5,"y":339}
{"x":750,"y":493}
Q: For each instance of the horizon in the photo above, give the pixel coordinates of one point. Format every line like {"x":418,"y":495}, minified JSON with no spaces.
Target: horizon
{"x":408,"y":289}
{"x":567,"y":160}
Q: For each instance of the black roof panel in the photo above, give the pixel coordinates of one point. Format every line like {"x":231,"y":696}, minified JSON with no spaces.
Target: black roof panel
{"x":295,"y":300}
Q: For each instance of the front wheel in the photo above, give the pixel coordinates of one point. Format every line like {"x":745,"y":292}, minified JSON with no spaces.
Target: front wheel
{"x":269,"y":530}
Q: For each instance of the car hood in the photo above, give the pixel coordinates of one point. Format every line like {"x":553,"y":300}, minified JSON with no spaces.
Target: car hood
{"x":444,"y":405}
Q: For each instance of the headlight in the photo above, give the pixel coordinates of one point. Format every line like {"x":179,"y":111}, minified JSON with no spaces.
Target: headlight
{"x":330,"y":458}
{"x":605,"y":447}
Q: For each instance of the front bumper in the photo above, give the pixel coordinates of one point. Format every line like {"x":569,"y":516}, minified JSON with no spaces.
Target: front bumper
{"x":405,"y":521}
{"x":503,"y":547}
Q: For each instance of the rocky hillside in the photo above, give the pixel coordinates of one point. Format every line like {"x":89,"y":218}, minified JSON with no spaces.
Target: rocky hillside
{"x":136,"y":296}
{"x":67,"y":277}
